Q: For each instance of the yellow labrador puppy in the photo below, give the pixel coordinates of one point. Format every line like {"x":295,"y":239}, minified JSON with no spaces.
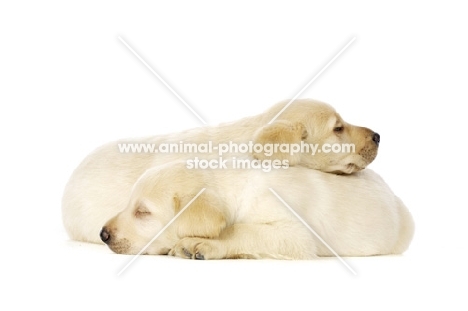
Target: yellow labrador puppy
{"x":238,"y":217}
{"x":101,"y":185}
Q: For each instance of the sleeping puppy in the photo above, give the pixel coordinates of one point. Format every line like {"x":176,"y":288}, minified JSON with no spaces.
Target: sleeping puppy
{"x":238,"y":217}
{"x":101,"y":185}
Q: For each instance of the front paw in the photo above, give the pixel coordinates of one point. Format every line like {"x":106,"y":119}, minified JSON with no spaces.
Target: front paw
{"x":195,"y":248}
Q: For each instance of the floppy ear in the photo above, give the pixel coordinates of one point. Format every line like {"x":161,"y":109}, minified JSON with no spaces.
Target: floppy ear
{"x":277,"y":133}
{"x":203,"y":218}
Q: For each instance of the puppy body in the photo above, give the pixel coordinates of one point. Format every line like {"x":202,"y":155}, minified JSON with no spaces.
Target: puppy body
{"x":238,"y":217}
{"x":101,"y":185}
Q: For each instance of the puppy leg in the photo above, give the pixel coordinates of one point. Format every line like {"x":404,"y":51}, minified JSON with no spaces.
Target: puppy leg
{"x":277,"y":240}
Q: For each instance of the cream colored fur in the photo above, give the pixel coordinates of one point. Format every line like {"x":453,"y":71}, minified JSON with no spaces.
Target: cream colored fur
{"x":100,"y":186}
{"x":238,"y":217}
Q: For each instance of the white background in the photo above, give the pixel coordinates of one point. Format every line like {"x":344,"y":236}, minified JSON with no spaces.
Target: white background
{"x":67,"y":85}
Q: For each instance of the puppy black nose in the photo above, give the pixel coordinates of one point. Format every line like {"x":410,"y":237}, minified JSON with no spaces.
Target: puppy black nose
{"x":376,"y":138}
{"x":105,"y":236}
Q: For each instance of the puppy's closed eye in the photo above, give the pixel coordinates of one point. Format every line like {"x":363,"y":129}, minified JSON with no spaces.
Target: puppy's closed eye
{"x":142,"y":211}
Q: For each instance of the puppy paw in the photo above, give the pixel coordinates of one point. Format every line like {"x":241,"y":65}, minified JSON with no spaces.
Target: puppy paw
{"x":196,"y":248}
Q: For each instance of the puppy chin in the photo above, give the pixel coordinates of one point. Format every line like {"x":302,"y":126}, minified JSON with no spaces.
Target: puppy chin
{"x":122,"y":246}
{"x":346,"y":169}
{"x":352,"y":168}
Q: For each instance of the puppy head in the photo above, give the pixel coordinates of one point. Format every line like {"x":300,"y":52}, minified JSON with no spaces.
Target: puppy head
{"x":157,"y":197}
{"x":328,"y":143}
{"x":145,"y":215}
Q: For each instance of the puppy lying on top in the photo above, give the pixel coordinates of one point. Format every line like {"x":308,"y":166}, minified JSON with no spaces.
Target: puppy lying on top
{"x":238,"y":217}
{"x":102,"y":184}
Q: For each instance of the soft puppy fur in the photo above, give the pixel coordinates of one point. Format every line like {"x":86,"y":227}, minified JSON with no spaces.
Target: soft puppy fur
{"x":238,"y":217}
{"x":100,"y":186}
